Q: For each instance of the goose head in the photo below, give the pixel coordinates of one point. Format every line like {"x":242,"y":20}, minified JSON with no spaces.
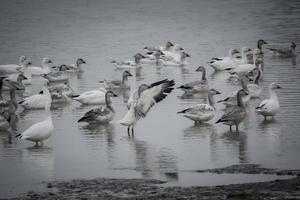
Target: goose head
{"x":233,"y":52}
{"x":111,"y":94}
{"x":213,"y":92}
{"x":63,"y":67}
{"x":200,"y":69}
{"x":26,"y":63}
{"x":80,"y":61}
{"x":46,"y":60}
{"x":21,"y":77}
{"x":22,"y":59}
{"x":177,"y":48}
{"x":246,"y":50}
{"x":169,"y":45}
{"x":126,"y":73}
{"x":260,"y":43}
{"x":293,"y":45}
{"x":138,"y":57}
{"x":274,"y":86}
{"x":184,"y":55}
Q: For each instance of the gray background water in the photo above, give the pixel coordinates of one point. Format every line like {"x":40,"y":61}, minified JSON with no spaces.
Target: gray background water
{"x":166,"y":145}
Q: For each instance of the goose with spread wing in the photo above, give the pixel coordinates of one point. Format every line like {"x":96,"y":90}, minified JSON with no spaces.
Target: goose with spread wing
{"x":147,"y":96}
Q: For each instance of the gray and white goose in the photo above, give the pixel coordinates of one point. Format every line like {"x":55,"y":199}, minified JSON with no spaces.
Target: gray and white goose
{"x":259,"y":46}
{"x":103,"y":114}
{"x":202,"y":112}
{"x":236,"y":114}
{"x":284,"y":52}
{"x":143,"y":100}
{"x":118,"y":84}
{"x":198,"y":85}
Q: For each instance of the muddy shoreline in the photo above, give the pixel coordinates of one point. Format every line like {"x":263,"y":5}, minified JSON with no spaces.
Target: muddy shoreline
{"x":102,"y":188}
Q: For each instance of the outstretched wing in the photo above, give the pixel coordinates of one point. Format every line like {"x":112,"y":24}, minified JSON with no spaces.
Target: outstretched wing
{"x":155,"y":93}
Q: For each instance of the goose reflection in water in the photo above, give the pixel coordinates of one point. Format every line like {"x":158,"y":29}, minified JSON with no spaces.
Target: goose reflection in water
{"x":237,"y":140}
{"x":201,"y":131}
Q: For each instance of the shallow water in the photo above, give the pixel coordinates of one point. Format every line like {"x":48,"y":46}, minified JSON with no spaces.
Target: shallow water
{"x":164,"y":143}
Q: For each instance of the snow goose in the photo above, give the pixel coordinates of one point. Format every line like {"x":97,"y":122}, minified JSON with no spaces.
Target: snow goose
{"x":284,"y":52}
{"x":136,"y":63}
{"x":92,"y":97}
{"x":40,"y":131}
{"x":40,"y":70}
{"x":118,"y":84}
{"x":236,"y":114}
{"x":254,"y":88}
{"x":58,"y":96}
{"x":56,"y":77}
{"x":270,"y":107}
{"x":37,"y":101}
{"x":231,"y":100}
{"x":174,"y":53}
{"x":77,"y":67}
{"x":13,"y":68}
{"x":245,"y":51}
{"x":260,"y":44}
{"x":181,"y":62}
{"x":147,"y":96}
{"x":220,"y":64}
{"x":202,"y":112}
{"x":65,"y":86}
{"x":103,"y":114}
{"x":196,"y":86}
{"x":16,"y":80}
{"x":243,"y":69}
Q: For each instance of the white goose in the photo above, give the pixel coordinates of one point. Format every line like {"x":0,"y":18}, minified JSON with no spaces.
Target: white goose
{"x":270,"y":107}
{"x":236,"y":114}
{"x":136,"y":63}
{"x":174,"y":62}
{"x":173,"y":53}
{"x":103,"y":114}
{"x":196,"y":86}
{"x":284,"y":53}
{"x":118,"y":84}
{"x":220,"y":64}
{"x":254,"y":88}
{"x":243,"y":69}
{"x":40,"y":131}
{"x":92,"y":97}
{"x":202,"y":112}
{"x":40,"y":70}
{"x":37,"y":101}
{"x":147,"y":96}
{"x":13,"y":68}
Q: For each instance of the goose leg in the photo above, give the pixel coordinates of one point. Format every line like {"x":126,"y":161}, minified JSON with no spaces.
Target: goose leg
{"x":237,"y":127}
{"x":128,"y":130}
{"x":132,"y":131}
{"x":230,"y":128}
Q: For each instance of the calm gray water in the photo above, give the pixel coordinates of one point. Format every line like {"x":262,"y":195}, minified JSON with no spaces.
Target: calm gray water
{"x":166,"y":146}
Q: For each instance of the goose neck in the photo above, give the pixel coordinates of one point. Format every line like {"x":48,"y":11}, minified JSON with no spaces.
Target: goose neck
{"x":240,"y":102}
{"x":211,"y":101}
{"x":273,"y":94}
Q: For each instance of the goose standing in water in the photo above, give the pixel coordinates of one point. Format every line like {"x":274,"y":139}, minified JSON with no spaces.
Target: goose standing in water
{"x":37,"y":101}
{"x":147,"y":96}
{"x":45,"y":69}
{"x":202,"y":112}
{"x":254,"y":88}
{"x":235,"y":115}
{"x":231,"y":100}
{"x":196,"y":86}
{"x":103,"y":114}
{"x":129,"y":64}
{"x":284,"y":53}
{"x":260,"y":44}
{"x":40,"y":131}
{"x":220,"y":64}
{"x":118,"y":84}
{"x":270,"y":107}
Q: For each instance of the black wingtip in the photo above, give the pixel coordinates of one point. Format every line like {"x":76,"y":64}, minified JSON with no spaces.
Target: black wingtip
{"x":74,"y":96}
